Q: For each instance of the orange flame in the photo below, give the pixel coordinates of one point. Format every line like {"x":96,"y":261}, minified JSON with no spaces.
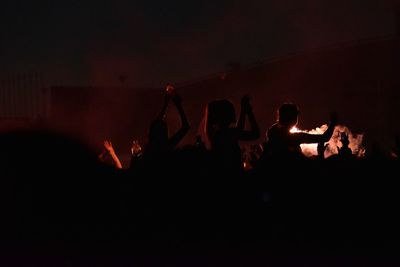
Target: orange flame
{"x":355,"y":145}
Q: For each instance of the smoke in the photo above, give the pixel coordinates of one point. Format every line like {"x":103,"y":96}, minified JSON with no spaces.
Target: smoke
{"x":334,"y":143}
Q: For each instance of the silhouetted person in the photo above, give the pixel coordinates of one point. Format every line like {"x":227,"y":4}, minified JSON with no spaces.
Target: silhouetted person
{"x":224,"y":136}
{"x":284,"y":144}
{"x":136,"y":154}
{"x":321,"y":150}
{"x":159,"y":142}
{"x":345,"y":150}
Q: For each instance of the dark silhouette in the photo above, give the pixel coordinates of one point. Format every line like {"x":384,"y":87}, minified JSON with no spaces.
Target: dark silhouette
{"x":159,"y":142}
{"x":396,"y":150}
{"x":254,"y":155}
{"x":223,"y":137}
{"x":321,"y":148}
{"x":61,"y":200}
{"x":136,"y":154}
{"x":199,"y":143}
{"x":283,"y":143}
{"x":345,"y":150}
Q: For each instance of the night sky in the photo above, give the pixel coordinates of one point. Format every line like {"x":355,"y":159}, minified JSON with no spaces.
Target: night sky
{"x":92,"y":42}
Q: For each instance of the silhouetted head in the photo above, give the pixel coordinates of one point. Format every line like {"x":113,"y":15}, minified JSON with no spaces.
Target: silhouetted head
{"x":344,"y":139}
{"x":158,"y":131}
{"x":221,"y":113}
{"x":288,"y":114}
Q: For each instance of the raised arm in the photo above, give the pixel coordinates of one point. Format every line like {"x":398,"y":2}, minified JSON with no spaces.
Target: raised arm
{"x":110,"y":150}
{"x":178,"y":136}
{"x":305,"y":138}
{"x":246,"y":109}
{"x":244,"y":103}
{"x":163,"y":111}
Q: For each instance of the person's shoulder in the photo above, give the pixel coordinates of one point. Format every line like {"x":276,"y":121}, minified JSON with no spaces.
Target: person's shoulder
{"x":273,"y":129}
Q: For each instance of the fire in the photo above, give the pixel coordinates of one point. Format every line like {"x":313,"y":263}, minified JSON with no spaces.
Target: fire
{"x":334,"y":143}
{"x":295,"y":130}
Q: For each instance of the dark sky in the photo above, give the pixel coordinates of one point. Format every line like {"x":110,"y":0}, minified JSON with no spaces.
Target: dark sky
{"x":78,"y":42}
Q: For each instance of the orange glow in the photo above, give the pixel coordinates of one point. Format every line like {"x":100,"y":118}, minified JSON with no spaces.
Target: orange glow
{"x":310,"y":150}
{"x":295,"y":130}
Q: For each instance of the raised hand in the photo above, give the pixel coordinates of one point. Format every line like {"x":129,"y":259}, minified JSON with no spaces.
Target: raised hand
{"x":108,"y":147}
{"x":110,"y":150}
{"x":172,"y":94}
{"x":170,"y":89}
{"x":136,"y":149}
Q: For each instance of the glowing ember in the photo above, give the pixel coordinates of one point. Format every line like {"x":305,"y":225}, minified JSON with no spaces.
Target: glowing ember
{"x":334,"y":143}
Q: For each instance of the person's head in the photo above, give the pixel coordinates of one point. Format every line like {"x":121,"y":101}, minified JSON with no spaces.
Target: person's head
{"x":221,"y":113}
{"x":158,"y":131}
{"x":344,"y":139}
{"x":288,"y":114}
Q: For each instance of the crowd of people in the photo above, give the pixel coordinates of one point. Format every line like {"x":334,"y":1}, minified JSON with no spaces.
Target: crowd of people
{"x":223,"y":133}
{"x":56,"y":192}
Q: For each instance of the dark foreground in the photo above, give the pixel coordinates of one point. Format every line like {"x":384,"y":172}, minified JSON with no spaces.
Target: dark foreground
{"x":60,"y":207}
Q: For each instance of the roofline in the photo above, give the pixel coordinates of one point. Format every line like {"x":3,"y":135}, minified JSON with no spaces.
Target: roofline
{"x":348,"y":44}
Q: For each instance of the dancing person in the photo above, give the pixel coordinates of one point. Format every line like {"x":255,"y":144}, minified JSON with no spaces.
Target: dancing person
{"x":281,"y":142}
{"x":224,"y":136}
